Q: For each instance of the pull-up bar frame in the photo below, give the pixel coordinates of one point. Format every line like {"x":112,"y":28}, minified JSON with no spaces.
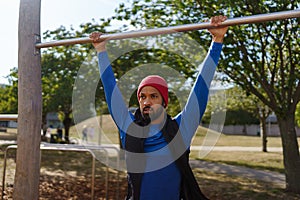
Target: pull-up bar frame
{"x":181,"y":28}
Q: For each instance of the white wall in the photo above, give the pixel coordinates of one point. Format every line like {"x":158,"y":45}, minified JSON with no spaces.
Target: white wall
{"x":272,"y":130}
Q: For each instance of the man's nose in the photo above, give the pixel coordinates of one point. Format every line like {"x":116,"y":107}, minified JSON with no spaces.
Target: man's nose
{"x":147,"y":102}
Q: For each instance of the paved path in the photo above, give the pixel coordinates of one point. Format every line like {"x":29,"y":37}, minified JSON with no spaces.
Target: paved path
{"x":268,"y":176}
{"x":235,"y":148}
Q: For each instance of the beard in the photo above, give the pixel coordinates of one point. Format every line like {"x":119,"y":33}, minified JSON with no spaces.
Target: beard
{"x":154,"y":114}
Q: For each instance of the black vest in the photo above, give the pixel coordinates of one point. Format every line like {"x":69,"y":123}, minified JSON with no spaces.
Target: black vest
{"x":189,"y":186}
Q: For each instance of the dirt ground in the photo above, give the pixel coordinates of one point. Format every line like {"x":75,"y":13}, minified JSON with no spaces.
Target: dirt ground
{"x":68,"y":187}
{"x":68,"y":176}
{"x":61,"y":186}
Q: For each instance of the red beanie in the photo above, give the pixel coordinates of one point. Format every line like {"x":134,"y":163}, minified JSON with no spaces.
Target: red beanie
{"x":158,"y":83}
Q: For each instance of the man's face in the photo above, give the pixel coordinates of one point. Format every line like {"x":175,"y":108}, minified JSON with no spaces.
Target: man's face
{"x":151,"y":101}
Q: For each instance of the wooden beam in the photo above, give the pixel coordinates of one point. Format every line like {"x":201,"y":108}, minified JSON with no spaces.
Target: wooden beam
{"x":26,"y":184}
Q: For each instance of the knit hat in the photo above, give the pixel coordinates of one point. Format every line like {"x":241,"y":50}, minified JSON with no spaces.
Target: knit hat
{"x":158,"y":83}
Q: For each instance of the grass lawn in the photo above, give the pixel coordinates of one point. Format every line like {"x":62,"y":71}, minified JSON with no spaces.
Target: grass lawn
{"x":258,"y":160}
{"x":235,"y":140}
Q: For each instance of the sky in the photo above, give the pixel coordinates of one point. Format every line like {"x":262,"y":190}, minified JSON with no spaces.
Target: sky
{"x":54,"y":13}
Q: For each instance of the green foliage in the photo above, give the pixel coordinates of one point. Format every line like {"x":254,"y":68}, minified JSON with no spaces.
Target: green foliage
{"x":9,"y":94}
{"x":297,"y":115}
{"x":59,"y":70}
{"x":60,"y":66}
{"x":261,"y":58}
{"x":244,"y":117}
{"x":233,"y":102}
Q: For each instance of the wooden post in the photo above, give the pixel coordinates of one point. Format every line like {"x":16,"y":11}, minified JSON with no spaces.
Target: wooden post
{"x":26,"y":185}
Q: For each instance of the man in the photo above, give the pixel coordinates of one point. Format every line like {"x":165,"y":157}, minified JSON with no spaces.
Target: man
{"x":156,"y":145}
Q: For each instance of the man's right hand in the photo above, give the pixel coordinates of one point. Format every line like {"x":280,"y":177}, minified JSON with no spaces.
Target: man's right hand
{"x":218,"y":33}
{"x":97,"y":42}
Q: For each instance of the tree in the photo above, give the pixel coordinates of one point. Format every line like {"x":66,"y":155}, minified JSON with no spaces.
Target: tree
{"x":242,"y":105}
{"x":59,"y":71}
{"x":60,"y":68}
{"x":9,"y":94}
{"x":262,"y":58}
{"x":263,"y":113}
{"x":240,"y":99}
{"x":267,"y":65}
{"x":247,"y":107}
{"x":298,"y":115}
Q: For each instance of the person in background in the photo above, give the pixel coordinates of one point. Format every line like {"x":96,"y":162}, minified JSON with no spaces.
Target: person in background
{"x":84,"y":133}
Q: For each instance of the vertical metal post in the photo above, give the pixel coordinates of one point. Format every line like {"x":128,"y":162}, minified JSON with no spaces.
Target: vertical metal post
{"x":106,"y":177}
{"x":26,"y":185}
{"x":93,"y":177}
{"x":4,"y":173}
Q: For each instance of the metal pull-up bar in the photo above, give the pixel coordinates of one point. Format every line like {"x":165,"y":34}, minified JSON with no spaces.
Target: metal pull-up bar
{"x":181,"y":28}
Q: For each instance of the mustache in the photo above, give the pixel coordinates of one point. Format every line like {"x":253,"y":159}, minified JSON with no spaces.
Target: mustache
{"x":147,"y":108}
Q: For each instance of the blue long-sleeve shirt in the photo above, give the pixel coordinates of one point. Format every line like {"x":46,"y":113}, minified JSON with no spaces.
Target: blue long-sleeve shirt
{"x":161,"y":179}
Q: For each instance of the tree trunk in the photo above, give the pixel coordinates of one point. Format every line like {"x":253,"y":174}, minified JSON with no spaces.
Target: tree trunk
{"x":26,"y":185}
{"x":290,"y":153}
{"x":264,"y":112}
{"x":263,"y":131}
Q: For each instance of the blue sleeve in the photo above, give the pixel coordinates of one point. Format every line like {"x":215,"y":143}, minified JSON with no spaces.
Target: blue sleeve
{"x":190,"y":117}
{"x":116,"y":104}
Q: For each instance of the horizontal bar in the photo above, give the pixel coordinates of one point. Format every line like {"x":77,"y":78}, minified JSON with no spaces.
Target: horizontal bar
{"x":8,"y":117}
{"x":181,"y":28}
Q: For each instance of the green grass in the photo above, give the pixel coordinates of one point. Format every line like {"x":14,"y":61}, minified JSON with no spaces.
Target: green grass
{"x":272,"y":161}
{"x":236,"y":140}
